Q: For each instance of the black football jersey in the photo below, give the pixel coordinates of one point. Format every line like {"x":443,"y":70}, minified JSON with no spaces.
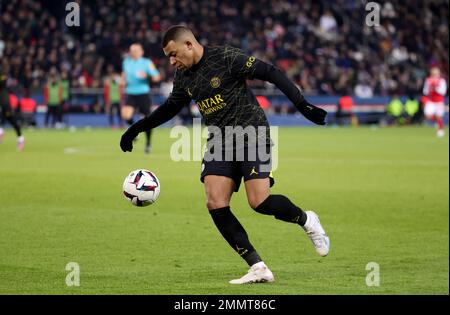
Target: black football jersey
{"x":217,"y":83}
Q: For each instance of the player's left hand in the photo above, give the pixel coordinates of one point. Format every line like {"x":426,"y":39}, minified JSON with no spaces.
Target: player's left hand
{"x":126,"y":142}
{"x":313,"y":113}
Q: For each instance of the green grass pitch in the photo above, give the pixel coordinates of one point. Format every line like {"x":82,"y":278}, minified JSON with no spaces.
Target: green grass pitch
{"x":382,"y":196}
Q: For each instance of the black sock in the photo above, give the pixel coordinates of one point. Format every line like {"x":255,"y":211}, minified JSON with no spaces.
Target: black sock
{"x":130,"y":121}
{"x":147,"y":137}
{"x":234,"y":234}
{"x":283,"y":209}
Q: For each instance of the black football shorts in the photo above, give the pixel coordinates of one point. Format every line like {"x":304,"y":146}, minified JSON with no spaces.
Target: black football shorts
{"x":246,"y":166}
{"x":140,"y":102}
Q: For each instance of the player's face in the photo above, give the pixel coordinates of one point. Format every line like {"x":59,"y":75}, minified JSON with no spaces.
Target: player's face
{"x":136,"y":51}
{"x":181,"y":54}
{"x":435,"y":72}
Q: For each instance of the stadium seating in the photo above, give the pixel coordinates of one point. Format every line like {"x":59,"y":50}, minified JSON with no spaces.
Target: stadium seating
{"x":325,"y":46}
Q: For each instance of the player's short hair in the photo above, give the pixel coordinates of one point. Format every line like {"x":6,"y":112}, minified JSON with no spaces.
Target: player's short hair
{"x":173,"y":33}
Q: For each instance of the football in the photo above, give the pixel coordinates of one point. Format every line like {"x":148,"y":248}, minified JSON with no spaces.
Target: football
{"x":141,"y":187}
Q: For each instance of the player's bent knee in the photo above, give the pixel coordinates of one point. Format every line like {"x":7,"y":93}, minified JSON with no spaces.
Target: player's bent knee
{"x":216,"y":202}
{"x":212,"y":205}
{"x":127,"y":112}
{"x":255,"y":201}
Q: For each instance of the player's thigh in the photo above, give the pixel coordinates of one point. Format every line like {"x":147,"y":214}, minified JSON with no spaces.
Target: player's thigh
{"x":440,"y":110}
{"x":129,"y":108}
{"x":218,"y":191}
{"x":430,"y":109}
{"x":257,"y":191}
{"x":144,"y":104}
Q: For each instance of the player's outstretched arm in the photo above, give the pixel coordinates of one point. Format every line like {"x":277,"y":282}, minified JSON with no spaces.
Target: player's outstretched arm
{"x":169,"y":109}
{"x":267,"y":72}
{"x":242,"y":65}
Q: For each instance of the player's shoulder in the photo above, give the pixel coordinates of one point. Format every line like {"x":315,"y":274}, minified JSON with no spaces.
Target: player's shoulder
{"x":126,"y":61}
{"x":225,"y":52}
{"x":232,"y":53}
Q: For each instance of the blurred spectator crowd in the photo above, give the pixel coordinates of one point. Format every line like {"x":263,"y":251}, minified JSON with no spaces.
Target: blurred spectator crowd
{"x":325,"y":46}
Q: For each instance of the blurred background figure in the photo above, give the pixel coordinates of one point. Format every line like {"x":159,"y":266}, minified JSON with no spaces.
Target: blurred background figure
{"x":14,"y":103}
{"x":412,"y":110}
{"x":435,"y":89}
{"x":7,"y":114}
{"x":28,"y":108}
{"x":113,"y":95}
{"x":394,"y":111}
{"x":321,"y":51}
{"x":264,"y":103}
{"x":136,"y":71}
{"x":65,"y":85}
{"x":53,"y":98}
{"x":345,"y":110}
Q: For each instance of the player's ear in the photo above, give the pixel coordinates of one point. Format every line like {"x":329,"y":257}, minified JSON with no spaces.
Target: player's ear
{"x":189,"y":44}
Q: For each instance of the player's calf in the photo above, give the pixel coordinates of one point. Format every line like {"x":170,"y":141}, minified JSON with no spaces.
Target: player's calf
{"x":283,"y":209}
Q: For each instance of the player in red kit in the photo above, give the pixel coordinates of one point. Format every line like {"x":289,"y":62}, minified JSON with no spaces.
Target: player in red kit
{"x":435,"y":89}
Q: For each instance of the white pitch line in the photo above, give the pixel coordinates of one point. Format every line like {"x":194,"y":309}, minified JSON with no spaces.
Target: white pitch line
{"x":71,"y":150}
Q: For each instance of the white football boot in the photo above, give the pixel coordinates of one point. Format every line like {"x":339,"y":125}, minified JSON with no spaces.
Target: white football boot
{"x":316,"y":233}
{"x":440,"y":133}
{"x":258,"y":273}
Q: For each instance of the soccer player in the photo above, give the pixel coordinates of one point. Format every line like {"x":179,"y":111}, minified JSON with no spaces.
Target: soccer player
{"x":53,"y":97}
{"x":112,"y":95}
{"x":135,"y":72}
{"x":435,"y":89}
{"x":215,"y":77}
{"x":7,"y":113}
{"x":28,"y":108}
{"x":65,"y":85}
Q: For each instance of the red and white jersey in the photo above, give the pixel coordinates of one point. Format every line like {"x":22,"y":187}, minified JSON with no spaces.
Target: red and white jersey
{"x":435,"y":89}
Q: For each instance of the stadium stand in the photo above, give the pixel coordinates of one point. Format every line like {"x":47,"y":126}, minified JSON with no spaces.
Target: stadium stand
{"x":324,"y":46}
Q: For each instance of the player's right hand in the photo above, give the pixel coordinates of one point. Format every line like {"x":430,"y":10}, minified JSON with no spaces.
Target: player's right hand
{"x":126,"y":142}
{"x":313,"y":113}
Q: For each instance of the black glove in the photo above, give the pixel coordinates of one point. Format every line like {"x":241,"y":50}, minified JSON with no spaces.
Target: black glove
{"x":313,"y":113}
{"x":126,"y":142}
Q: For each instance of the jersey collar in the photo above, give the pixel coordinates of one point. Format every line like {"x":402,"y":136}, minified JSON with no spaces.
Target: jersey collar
{"x":201,"y":61}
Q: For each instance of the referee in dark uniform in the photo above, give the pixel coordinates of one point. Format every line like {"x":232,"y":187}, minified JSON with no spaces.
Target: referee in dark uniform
{"x":215,"y":77}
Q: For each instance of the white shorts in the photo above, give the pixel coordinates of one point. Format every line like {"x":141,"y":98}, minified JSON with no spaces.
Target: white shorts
{"x":434,"y":109}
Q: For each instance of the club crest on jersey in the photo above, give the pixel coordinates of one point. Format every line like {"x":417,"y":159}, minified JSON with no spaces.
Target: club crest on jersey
{"x":215,"y":82}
